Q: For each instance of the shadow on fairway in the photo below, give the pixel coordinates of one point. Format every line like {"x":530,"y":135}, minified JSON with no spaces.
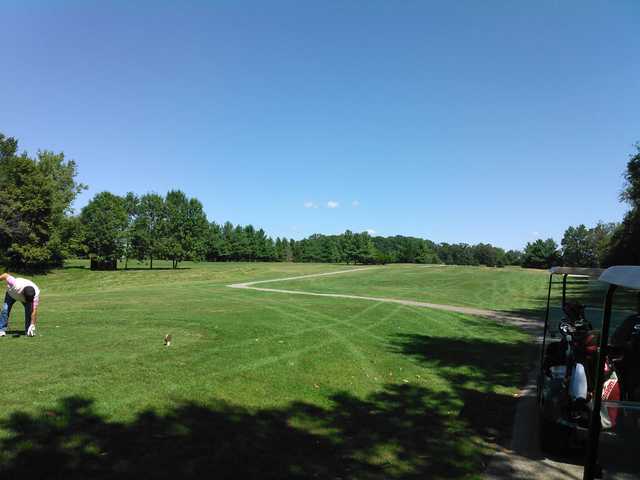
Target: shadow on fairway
{"x":402,"y":432}
{"x":476,"y":370}
{"x":408,"y":425}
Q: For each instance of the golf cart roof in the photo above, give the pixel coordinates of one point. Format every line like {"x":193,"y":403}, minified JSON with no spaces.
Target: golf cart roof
{"x":622,"y":276}
{"x":577,"y":272}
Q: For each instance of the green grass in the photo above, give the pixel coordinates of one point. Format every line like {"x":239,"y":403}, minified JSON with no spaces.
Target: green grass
{"x":489,"y":288}
{"x":255,"y":385}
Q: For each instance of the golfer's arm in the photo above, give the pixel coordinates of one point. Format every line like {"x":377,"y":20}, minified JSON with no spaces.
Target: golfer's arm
{"x":34,"y":316}
{"x":4,"y":276}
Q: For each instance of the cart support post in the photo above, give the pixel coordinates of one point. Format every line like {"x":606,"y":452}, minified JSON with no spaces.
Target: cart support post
{"x":595,"y":424}
{"x":546,"y":327}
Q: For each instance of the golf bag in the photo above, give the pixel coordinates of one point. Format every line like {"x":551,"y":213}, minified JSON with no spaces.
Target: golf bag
{"x":576,"y":354}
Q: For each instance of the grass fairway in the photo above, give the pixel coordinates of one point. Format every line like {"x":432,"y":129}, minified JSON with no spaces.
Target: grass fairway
{"x":507,"y":289}
{"x":256,"y":384}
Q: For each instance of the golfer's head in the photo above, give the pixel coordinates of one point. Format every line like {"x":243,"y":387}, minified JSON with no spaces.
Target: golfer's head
{"x":29,"y":294}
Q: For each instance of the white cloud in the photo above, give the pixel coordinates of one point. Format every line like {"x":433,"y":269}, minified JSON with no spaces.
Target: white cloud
{"x":310,"y":205}
{"x":535,"y":234}
{"x":355,"y":204}
{"x":333,"y":204}
{"x":371,"y":231}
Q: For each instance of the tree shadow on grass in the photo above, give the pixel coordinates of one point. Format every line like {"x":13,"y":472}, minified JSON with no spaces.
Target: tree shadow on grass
{"x":401,"y":432}
{"x":478,"y":371}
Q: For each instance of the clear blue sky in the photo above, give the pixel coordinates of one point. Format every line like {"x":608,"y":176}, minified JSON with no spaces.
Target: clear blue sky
{"x":455,"y":121}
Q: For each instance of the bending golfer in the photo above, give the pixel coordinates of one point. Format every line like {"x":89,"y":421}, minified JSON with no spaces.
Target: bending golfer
{"x":26,"y":292}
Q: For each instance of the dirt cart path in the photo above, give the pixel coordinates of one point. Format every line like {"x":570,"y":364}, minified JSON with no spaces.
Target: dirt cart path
{"x":515,"y":320}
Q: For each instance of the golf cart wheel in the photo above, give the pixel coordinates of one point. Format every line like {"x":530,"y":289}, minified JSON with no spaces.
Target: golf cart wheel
{"x":554,"y":438}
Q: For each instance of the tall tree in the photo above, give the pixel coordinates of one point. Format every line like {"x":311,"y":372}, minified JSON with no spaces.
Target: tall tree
{"x":214,"y":243}
{"x":9,"y":223}
{"x":288,"y":249}
{"x":602,"y":235}
{"x":279,"y":250}
{"x":35,"y":195}
{"x":625,"y":241}
{"x":176,"y":245}
{"x":8,"y":148}
{"x":456,"y":254}
{"x":365,"y":251}
{"x":197,"y":228}
{"x":329,"y":249}
{"x":486,"y":254}
{"x":579,"y":247}
{"x":186,"y":228}
{"x":349,"y":247}
{"x":150,"y":228}
{"x":228,"y":233}
{"x":426,"y":254}
{"x":241,"y":246}
{"x":104,"y":222}
{"x":131,"y":202}
{"x":631,"y":191}
{"x":264,"y":247}
{"x":541,"y":254}
{"x":267,"y":248}
{"x":26,"y":214}
{"x":72,"y":237}
{"x":247,"y":243}
{"x":513,"y":257}
{"x":62,"y":174}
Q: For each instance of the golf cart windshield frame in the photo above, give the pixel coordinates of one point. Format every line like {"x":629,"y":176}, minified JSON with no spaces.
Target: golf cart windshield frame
{"x":616,"y":277}
{"x":581,"y":275}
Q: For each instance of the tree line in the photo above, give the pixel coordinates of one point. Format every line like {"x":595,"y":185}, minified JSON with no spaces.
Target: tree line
{"x":39,"y":230}
{"x":175,"y":227}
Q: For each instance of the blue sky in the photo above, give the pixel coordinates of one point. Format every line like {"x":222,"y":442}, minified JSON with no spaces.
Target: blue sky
{"x":494,"y":121}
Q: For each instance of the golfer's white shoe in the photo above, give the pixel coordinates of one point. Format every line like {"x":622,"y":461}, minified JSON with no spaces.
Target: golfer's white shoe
{"x":31,"y":332}
{"x":2,"y":334}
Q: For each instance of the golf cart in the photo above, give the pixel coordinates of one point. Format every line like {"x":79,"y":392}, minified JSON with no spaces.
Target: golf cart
{"x":563,"y":422}
{"x":589,"y":379}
